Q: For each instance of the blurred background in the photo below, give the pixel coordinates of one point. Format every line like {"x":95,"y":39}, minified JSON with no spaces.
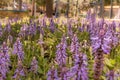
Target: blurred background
{"x":68,"y":8}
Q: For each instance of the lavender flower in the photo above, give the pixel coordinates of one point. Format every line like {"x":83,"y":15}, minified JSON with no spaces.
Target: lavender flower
{"x":101,"y":23}
{"x":74,"y":45}
{"x":69,"y":31}
{"x":52,"y":74}
{"x":82,"y":28}
{"x":17,"y":49}
{"x":88,"y":14}
{"x":34,"y":65}
{"x":114,"y":34}
{"x":113,"y":26}
{"x":40,"y":29}
{"x":61,"y":57}
{"x":82,"y":68}
{"x":102,"y":39}
{"x":1,"y":32}
{"x":101,"y":44}
{"x":19,"y":71}
{"x":43,"y":23}
{"x":61,"y":52}
{"x":63,"y":75}
{"x":3,"y":66}
{"x":107,"y":41}
{"x":91,"y":16}
{"x":79,"y":70}
{"x":35,"y":28}
{"x":112,"y":75}
{"x":4,"y":50}
{"x":32,"y":29}
{"x":7,"y":28}
{"x":4,"y":61}
{"x":52,"y":26}
{"x":23,"y":30}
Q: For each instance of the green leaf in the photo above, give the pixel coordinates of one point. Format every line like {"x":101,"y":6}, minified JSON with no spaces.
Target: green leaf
{"x":110,"y":63}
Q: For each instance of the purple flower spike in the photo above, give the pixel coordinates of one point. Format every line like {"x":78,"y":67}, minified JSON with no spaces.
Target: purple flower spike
{"x":32,"y":29}
{"x":3,"y":65}
{"x":52,"y":74}
{"x":34,"y":65}
{"x":88,"y":14}
{"x":40,"y":29}
{"x":91,"y":16}
{"x":5,"y":52}
{"x":79,"y":70}
{"x":1,"y":32}
{"x":69,"y":31}
{"x":4,"y":61}
{"x":52,"y":26}
{"x":23,"y":30}
{"x":74,"y":45}
{"x":61,"y":52}
{"x":102,"y":39}
{"x":111,"y":75}
{"x":7,"y":28}
{"x":43,"y":22}
{"x":113,"y":26}
{"x":19,"y":71}
{"x":17,"y":49}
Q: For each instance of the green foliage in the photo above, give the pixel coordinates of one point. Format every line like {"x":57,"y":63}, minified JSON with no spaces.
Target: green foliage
{"x":110,"y":63}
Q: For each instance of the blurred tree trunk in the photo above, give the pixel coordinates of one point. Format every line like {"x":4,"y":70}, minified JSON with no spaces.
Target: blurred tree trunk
{"x":76,"y":8}
{"x":57,"y":9}
{"x":20,"y":5}
{"x":102,"y":8}
{"x":111,"y":10}
{"x":33,"y":7}
{"x":67,"y":11}
{"x":49,"y":8}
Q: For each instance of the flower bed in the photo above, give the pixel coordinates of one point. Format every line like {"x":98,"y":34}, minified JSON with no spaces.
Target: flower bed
{"x":60,"y":49}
